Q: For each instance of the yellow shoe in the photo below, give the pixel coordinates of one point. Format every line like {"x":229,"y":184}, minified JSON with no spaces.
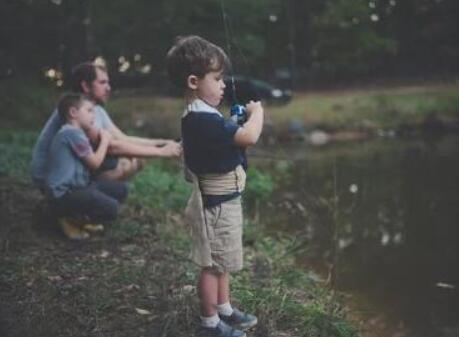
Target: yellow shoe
{"x":72,"y":229}
{"x":93,"y":228}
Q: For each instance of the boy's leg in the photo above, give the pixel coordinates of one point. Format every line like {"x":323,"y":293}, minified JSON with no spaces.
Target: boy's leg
{"x":208,"y":292}
{"x":223,"y":289}
{"x":228,"y":314}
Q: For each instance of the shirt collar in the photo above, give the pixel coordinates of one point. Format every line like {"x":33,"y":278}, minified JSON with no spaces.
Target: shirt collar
{"x":201,"y":106}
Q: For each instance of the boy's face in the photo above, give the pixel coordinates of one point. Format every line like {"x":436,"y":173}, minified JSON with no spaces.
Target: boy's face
{"x":210,"y":88}
{"x":84,"y":115}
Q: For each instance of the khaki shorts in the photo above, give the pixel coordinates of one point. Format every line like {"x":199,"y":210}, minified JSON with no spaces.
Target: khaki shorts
{"x":222,"y":240}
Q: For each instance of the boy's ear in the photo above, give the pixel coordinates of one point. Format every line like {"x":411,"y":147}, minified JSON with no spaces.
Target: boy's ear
{"x":192,"y":82}
{"x":72,"y":112}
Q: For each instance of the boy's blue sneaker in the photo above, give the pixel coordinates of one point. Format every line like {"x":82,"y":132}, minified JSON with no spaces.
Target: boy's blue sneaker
{"x":223,"y":330}
{"x":240,"y":320}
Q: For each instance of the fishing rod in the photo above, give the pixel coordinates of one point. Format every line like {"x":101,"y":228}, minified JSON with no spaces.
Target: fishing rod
{"x":238,"y":112}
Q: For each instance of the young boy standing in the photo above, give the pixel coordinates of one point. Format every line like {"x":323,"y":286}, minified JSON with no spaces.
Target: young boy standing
{"x":68,"y":183}
{"x":213,"y":152}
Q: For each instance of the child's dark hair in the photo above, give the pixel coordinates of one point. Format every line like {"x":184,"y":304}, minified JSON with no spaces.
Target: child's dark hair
{"x":84,"y":72}
{"x":193,"y":55}
{"x":68,"y":101}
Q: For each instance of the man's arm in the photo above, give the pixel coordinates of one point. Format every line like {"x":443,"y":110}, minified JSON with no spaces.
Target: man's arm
{"x":130,"y":149}
{"x":120,"y":135}
{"x":249,"y":133}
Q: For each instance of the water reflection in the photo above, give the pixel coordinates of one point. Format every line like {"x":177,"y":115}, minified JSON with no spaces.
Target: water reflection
{"x":386,"y":214}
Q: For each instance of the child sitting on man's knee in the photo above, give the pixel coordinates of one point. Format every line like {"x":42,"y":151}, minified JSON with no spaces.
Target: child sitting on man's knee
{"x":81,"y":203}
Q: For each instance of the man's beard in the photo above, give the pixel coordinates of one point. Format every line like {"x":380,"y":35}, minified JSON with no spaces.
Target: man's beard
{"x":98,"y":101}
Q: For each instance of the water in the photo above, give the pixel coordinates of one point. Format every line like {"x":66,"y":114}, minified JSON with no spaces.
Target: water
{"x":385,"y":214}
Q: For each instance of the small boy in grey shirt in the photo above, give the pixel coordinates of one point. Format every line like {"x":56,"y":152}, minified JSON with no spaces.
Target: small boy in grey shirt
{"x":77,"y":199}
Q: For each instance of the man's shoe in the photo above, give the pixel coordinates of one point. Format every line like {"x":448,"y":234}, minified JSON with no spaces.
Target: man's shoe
{"x":223,"y":330}
{"x":72,"y":229}
{"x":93,"y":228}
{"x":240,"y":319}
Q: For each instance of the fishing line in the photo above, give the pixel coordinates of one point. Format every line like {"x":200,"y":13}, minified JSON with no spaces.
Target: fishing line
{"x":228,"y":48}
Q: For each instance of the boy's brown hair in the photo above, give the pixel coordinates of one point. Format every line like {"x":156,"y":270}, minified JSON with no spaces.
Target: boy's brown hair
{"x":68,"y":101}
{"x":193,"y":55}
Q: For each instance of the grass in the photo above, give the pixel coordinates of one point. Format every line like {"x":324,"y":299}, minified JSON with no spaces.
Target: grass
{"x":369,"y":109}
{"x":136,"y":280}
{"x":26,"y":106}
{"x":377,"y":108}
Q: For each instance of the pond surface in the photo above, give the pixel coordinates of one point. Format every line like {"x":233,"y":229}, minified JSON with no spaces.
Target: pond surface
{"x":382,"y":219}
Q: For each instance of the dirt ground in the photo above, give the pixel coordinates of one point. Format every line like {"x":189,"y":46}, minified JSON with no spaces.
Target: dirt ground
{"x":124,"y":283}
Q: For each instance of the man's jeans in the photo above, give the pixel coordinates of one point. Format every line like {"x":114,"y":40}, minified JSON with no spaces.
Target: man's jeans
{"x":99,"y":202}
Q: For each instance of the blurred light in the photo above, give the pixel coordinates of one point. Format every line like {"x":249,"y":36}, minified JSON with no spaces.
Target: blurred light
{"x":392,"y":2}
{"x":124,"y":67}
{"x":59,"y":83}
{"x":385,"y":239}
{"x":374,"y":17}
{"x":121,"y":59}
{"x":51,"y":73}
{"x":273,"y":18}
{"x":371,"y":4}
{"x":445,"y":285}
{"x":56,"y":2}
{"x":398,"y":238}
{"x":353,"y":188}
{"x":276,"y":93}
{"x":146,"y":69}
{"x":100,"y":61}
{"x":137,"y":57}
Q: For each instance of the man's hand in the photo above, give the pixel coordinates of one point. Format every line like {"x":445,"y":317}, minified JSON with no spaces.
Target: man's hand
{"x":172,"y":149}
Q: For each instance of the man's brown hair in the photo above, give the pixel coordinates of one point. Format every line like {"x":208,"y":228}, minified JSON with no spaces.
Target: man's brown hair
{"x":84,"y":72}
{"x":193,"y":55}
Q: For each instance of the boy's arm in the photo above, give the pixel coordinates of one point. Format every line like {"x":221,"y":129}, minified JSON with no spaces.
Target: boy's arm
{"x":127,"y":148}
{"x":249,"y":133}
{"x":94,"y":159}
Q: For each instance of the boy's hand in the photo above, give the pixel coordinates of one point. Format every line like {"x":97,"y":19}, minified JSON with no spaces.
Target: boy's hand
{"x":105,"y":136}
{"x":253,"y":107}
{"x":93,"y":134}
{"x":249,"y":133}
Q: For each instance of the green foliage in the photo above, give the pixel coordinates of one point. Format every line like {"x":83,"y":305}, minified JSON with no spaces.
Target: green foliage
{"x":259,"y":186}
{"x":347,"y":41}
{"x":25,"y":102}
{"x":349,"y":38}
{"x":16,"y":151}
{"x":160,"y":186}
{"x":277,"y":291}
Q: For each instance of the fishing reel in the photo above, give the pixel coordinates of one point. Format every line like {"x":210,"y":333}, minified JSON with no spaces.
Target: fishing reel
{"x":238,"y":114}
